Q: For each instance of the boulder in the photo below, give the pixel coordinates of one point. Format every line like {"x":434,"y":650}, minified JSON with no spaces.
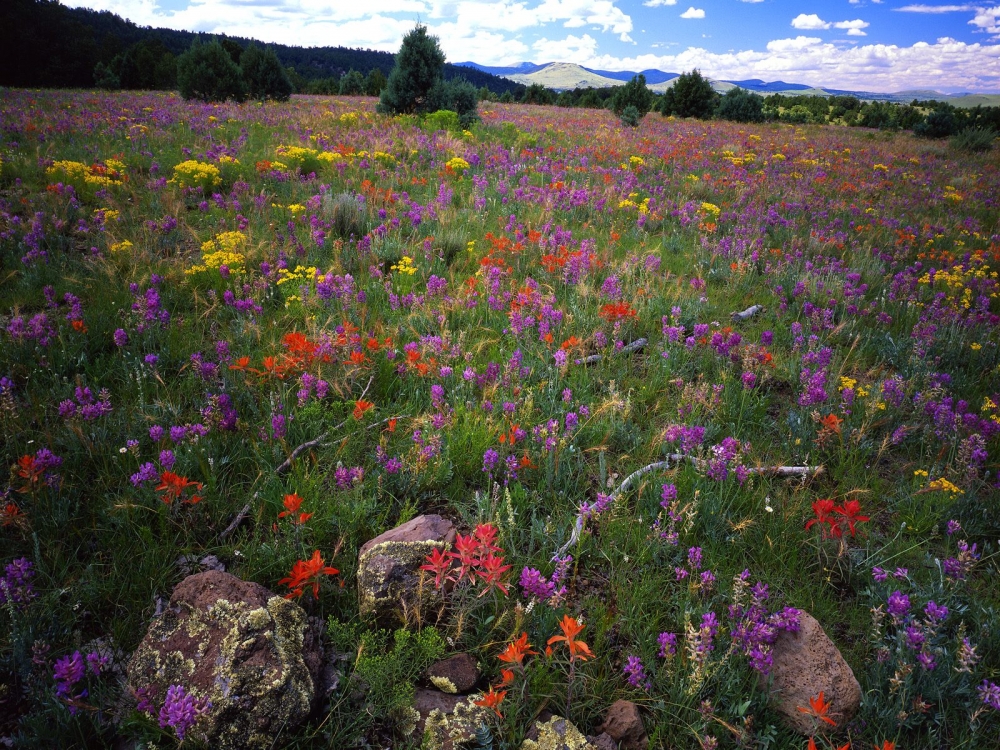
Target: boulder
{"x":456,"y":674}
{"x":806,"y":663}
{"x":446,"y":722}
{"x":251,"y":653}
{"x":624,"y":724}
{"x":557,"y":734}
{"x":392,"y":588}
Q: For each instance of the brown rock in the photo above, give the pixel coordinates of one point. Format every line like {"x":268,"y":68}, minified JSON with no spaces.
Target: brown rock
{"x":456,"y":674}
{"x":806,"y":663}
{"x":392,"y":588}
{"x":249,"y":652}
{"x":603,"y":741}
{"x":445,"y":721}
{"x":624,"y":724}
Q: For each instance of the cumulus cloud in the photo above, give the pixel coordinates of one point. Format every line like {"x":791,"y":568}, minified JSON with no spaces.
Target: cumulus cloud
{"x":987,"y":19}
{"x":810,"y":22}
{"x":853,"y":27}
{"x":693,"y":12}
{"x":571,"y":49}
{"x":659,"y":3}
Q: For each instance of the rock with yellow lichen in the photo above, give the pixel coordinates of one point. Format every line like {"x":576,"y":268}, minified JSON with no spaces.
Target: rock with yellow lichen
{"x":392,"y":589}
{"x":250,"y":653}
{"x":556,"y":734}
{"x":446,"y":722}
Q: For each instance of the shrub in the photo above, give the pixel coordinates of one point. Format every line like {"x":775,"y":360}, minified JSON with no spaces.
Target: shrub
{"x":974,"y":140}
{"x":443,"y":119}
{"x":536,"y":93}
{"x":740,"y":105}
{"x":352,"y":83}
{"x":345,"y":213}
{"x":263,"y":74}
{"x":799,"y":115}
{"x":418,"y":68}
{"x":458,"y":96}
{"x":690,"y":96}
{"x":374,"y":82}
{"x":633,"y":94}
{"x":207,"y":72}
{"x":630,"y":116}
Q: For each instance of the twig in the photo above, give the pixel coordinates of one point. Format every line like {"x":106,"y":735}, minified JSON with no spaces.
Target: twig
{"x":675,"y":458}
{"x":236,"y":522}
{"x":315,"y":442}
{"x":627,"y":349}
{"x":739,"y":317}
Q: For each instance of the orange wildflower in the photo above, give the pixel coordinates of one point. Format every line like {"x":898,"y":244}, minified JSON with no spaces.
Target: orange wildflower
{"x":516,"y":651}
{"x":818,"y":708}
{"x":79,"y":326}
{"x":360,"y":407}
{"x":577,"y":649}
{"x":292,"y":503}
{"x":172,"y":486}
{"x":492,"y":699}
{"x":306,"y":572}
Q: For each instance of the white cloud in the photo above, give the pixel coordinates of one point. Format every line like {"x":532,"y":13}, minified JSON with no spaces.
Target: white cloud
{"x":810,"y":22}
{"x":571,"y":49}
{"x":659,"y":3}
{"x":693,"y":12}
{"x":853,"y":27}
{"x":920,"y":8}
{"x":988,"y":19}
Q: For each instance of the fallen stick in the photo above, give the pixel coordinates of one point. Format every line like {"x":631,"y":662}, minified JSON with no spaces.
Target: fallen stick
{"x":739,"y":317}
{"x":676,"y":458}
{"x":627,"y":349}
{"x":317,"y":442}
{"x":236,"y":522}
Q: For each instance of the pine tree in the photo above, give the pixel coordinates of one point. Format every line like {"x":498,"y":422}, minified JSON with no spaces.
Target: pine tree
{"x":352,"y":83}
{"x":691,"y":96}
{"x":418,"y":67}
{"x":263,"y":74}
{"x":374,"y":82}
{"x":208,"y":73}
{"x":635,"y":94}
{"x":740,"y":105}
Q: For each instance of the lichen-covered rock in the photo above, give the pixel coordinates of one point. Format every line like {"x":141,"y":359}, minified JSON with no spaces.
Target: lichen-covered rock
{"x":456,"y":674}
{"x":391,"y":588}
{"x":624,"y":723}
{"x":556,"y":734}
{"x":446,"y":721}
{"x":251,"y":653}
{"x":804,"y":664}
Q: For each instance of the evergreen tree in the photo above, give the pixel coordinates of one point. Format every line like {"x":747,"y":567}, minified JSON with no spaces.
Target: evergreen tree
{"x":374,"y":82}
{"x":105,"y":77}
{"x":691,"y":96}
{"x":456,"y":95}
{"x":208,"y":73}
{"x":635,"y":94}
{"x":536,"y":93}
{"x":263,"y":75}
{"x":740,"y":105}
{"x":352,"y":83}
{"x":418,"y":67}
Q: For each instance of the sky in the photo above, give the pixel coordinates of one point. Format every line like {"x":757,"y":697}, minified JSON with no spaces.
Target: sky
{"x":869,"y":45}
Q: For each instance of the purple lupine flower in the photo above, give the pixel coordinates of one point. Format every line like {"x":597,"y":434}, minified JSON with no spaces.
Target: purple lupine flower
{"x":490,"y":460}
{"x":534,"y":584}
{"x":68,"y":671}
{"x":167,"y":460}
{"x":878,"y":574}
{"x":989,"y":692}
{"x":16,"y":584}
{"x":120,"y":337}
{"x":935,"y":612}
{"x":181,"y":710}
{"x":668,"y":644}
{"x":636,"y":673}
{"x":147,"y":473}
{"x":953,"y":527}
{"x":97,"y":662}
{"x":898,"y":605}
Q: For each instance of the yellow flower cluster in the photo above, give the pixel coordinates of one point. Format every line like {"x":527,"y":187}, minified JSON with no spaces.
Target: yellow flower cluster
{"x":778,"y":157}
{"x":80,"y":174}
{"x":191,"y":174}
{"x":956,"y":278}
{"x":228,"y":242}
{"x":227,"y":159}
{"x":109,"y":214}
{"x":951,"y":194}
{"x":221,"y":251}
{"x":945,"y":486}
{"x":383,"y":156}
{"x":302,"y":273}
{"x":120,"y":246}
{"x":349,"y":119}
{"x":711,"y":208}
{"x":457,"y":164}
{"x":881,"y":168}
{"x":330,"y":157}
{"x":405,"y":265}
{"x":633,"y":162}
{"x":629,"y":202}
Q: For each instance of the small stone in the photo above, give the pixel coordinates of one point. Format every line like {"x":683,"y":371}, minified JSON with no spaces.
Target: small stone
{"x":456,"y":674}
{"x":556,"y":734}
{"x":254,"y":655}
{"x":603,"y":741}
{"x":624,"y":723}
{"x":392,"y":588}
{"x":806,"y":663}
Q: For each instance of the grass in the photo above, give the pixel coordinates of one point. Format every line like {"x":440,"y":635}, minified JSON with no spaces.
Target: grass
{"x":514,"y":260}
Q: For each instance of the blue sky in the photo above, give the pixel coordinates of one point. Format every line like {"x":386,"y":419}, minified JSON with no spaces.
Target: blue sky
{"x":875,"y":45}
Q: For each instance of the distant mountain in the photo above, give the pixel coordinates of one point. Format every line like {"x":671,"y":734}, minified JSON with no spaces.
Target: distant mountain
{"x":563,"y":76}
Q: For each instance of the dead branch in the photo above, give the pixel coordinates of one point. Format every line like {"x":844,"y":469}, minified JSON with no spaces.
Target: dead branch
{"x":627,"y":349}
{"x":739,"y":317}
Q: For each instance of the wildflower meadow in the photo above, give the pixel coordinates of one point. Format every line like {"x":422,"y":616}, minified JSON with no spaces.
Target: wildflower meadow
{"x":681,"y":389}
